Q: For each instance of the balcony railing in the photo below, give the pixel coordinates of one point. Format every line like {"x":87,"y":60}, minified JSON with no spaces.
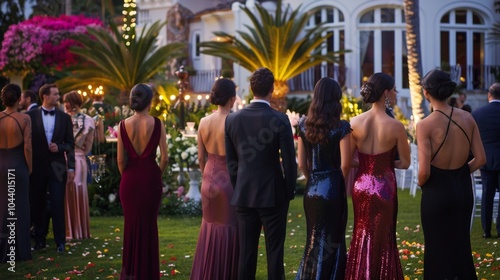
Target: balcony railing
{"x":203,"y":80}
{"x":306,"y":80}
{"x":475,"y":77}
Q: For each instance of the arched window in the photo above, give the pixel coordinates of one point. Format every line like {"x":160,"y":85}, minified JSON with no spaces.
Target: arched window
{"x":382,"y":44}
{"x":332,"y":18}
{"x":463,"y":33}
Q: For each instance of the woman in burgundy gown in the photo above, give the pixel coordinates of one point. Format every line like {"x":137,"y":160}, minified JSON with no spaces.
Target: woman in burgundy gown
{"x":373,"y":253}
{"x":141,"y":186}
{"x":323,"y":152}
{"x":216,"y":254}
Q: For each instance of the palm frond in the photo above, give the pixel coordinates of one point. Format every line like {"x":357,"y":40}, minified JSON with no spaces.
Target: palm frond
{"x":109,"y":62}
{"x":276,"y":41}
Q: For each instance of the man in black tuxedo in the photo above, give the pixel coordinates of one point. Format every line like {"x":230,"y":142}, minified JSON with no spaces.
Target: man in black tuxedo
{"x":53,"y":163}
{"x":488,"y":121}
{"x":28,"y":100}
{"x":255,"y":137}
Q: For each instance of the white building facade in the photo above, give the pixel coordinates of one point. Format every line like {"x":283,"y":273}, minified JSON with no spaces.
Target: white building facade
{"x":455,"y":36}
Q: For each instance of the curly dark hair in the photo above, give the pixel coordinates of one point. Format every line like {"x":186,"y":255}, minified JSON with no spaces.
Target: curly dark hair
{"x":374,"y":88}
{"x":222,"y":90}
{"x":11,"y":93}
{"x":438,"y":84}
{"x":261,"y":82}
{"x":324,"y":111}
{"x":140,"y":97}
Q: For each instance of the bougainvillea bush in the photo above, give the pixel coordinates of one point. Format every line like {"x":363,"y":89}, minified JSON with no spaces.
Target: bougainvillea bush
{"x":41,"y":44}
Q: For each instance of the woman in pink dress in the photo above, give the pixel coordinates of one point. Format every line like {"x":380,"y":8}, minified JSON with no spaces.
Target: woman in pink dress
{"x":373,"y":253}
{"x":216,"y":254}
{"x":77,"y":200}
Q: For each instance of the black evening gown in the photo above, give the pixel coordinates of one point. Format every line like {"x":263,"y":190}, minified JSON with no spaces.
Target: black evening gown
{"x":446,"y":209}
{"x":14,"y":184}
{"x":325,"y":206}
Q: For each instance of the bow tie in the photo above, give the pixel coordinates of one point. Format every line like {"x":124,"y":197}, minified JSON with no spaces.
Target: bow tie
{"x":52,"y":112}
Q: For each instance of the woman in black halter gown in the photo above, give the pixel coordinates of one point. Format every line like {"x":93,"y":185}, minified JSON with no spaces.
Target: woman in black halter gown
{"x":15,"y":168}
{"x":445,"y":138}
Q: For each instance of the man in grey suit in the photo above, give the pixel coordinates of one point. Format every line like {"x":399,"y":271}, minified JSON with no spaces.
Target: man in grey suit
{"x":488,"y":121}
{"x":256,"y":137}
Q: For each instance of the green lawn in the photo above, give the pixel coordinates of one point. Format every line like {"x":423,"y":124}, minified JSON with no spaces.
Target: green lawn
{"x":100,"y":257}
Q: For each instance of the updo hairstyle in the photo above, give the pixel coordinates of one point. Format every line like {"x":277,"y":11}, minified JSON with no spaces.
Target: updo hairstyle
{"x":438,"y":84}
{"x":11,"y":93}
{"x":222,"y":90}
{"x":374,"y":88}
{"x":140,"y":97}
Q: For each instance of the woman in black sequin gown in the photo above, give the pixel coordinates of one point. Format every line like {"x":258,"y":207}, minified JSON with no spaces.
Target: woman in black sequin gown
{"x":323,"y":158}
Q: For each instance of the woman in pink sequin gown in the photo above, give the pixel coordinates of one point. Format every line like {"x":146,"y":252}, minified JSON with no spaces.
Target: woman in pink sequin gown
{"x":373,"y":252}
{"x":216,"y":254}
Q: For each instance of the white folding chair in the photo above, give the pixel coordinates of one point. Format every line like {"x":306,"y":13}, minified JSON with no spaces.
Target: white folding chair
{"x":414,"y":169}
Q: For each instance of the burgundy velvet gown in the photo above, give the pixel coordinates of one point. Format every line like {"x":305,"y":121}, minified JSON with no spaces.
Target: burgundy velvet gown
{"x":216,"y":254}
{"x":140,"y":195}
{"x":373,"y":253}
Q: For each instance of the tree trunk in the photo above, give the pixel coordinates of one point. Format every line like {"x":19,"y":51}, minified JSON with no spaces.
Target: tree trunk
{"x":278,"y":100}
{"x":418,"y":103}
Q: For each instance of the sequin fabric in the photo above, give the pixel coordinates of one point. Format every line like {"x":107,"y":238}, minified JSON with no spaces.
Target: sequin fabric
{"x":325,"y":207}
{"x":373,"y":252}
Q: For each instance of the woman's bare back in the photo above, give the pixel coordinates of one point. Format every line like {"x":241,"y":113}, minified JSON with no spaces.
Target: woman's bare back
{"x":212,"y":133}
{"x":456,"y":147}
{"x":139,"y":130}
{"x":12,"y":128}
{"x":373,"y":132}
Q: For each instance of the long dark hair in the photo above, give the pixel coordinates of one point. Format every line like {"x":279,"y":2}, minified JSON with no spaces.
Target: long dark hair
{"x":324,"y":111}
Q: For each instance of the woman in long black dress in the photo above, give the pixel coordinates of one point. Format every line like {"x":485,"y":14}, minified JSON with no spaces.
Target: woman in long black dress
{"x":15,"y":168}
{"x":324,"y":159}
{"x":445,"y":138}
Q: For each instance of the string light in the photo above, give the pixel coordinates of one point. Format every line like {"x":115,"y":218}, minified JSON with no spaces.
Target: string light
{"x":129,"y":20}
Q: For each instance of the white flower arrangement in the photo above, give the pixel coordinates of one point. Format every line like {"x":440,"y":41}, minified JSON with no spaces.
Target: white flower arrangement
{"x":182,"y":151}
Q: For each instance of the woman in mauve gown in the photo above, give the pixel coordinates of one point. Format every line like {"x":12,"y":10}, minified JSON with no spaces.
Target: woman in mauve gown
{"x":323,"y":152}
{"x":445,"y":139}
{"x":141,"y":186}
{"x":373,"y":253}
{"x":216,"y":255}
{"x":77,"y":201}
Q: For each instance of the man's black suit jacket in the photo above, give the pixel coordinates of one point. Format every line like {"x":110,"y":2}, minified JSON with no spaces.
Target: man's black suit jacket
{"x":488,"y":121}
{"x":255,"y":137}
{"x":43,"y":159}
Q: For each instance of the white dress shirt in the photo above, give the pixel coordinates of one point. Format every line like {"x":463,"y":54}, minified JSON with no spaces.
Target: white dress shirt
{"x":49,"y":122}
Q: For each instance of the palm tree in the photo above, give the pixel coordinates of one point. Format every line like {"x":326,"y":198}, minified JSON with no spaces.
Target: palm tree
{"x":419,"y":110}
{"x":275,"y":42}
{"x":113,"y":64}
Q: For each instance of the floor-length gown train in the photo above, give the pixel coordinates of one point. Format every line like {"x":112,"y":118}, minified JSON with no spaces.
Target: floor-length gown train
{"x":140,"y":195}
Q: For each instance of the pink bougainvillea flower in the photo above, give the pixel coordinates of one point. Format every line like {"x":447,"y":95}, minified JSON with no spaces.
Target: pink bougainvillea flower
{"x":42,"y":43}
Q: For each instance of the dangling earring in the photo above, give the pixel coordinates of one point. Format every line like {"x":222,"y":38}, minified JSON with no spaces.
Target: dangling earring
{"x":387,"y":102}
